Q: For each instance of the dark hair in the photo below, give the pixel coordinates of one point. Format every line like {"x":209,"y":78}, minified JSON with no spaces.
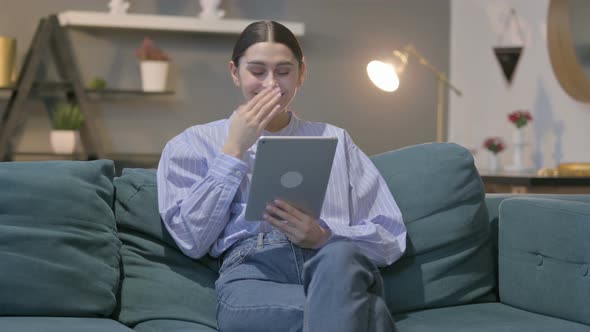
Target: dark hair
{"x":266,"y":31}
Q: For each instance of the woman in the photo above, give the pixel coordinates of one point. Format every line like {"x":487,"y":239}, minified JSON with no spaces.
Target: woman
{"x":295,"y":273}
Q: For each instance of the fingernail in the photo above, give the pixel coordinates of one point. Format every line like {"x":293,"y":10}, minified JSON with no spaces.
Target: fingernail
{"x":269,"y":208}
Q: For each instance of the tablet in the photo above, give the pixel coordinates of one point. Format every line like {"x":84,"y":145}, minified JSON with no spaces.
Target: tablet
{"x":295,"y":169}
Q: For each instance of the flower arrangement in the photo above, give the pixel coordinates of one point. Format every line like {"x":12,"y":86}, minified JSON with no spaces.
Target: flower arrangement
{"x":494,"y":144}
{"x":520,"y":118}
{"x":148,"y":51}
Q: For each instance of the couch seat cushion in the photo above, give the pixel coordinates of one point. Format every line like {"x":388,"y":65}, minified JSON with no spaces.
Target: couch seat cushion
{"x":160,"y":325}
{"x":159,"y":281}
{"x":484,"y":317}
{"x":59,"y":250}
{"x":61,"y":324}
{"x":449,"y":259}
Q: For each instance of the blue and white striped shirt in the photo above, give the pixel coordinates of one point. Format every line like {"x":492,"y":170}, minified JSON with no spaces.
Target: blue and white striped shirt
{"x":202,"y":193}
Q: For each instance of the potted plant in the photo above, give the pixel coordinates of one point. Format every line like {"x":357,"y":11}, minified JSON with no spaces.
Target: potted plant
{"x":67,"y":120}
{"x":154,"y":65}
{"x":494,"y":145}
{"x":519,"y":119}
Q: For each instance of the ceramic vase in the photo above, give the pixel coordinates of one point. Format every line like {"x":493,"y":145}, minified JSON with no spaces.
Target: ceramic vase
{"x":493,"y":163}
{"x":518,"y":143}
{"x":154,"y":75}
{"x":63,"y":141}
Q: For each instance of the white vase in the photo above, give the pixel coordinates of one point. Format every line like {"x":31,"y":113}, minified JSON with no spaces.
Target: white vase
{"x":518,"y":144}
{"x":63,"y":141}
{"x":154,"y":75}
{"x":518,"y":136}
{"x":493,"y":163}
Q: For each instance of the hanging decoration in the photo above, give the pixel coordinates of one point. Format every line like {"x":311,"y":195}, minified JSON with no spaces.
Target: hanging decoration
{"x":509,"y":56}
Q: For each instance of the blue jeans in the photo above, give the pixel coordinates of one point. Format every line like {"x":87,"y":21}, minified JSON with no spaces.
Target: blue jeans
{"x":274,"y":285}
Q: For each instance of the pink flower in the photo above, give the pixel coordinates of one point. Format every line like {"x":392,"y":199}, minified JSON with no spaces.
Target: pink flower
{"x":149,"y":51}
{"x":520,"y":118}
{"x":494,"y":144}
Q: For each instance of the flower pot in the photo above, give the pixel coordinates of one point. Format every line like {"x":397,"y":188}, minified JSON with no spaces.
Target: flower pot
{"x":154,"y":75}
{"x":63,"y":141}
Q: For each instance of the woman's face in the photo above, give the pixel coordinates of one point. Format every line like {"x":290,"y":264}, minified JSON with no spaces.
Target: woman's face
{"x":268,"y":64}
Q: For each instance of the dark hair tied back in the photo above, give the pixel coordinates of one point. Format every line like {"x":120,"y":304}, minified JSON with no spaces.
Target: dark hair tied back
{"x":266,"y":31}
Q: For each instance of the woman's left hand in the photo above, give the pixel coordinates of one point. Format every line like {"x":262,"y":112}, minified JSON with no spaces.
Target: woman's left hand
{"x":299,"y":228}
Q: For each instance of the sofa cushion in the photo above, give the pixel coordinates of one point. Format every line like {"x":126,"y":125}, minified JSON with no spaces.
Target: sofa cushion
{"x":448,"y":260}
{"x":483,"y":317}
{"x":159,"y":281}
{"x":544,"y":257}
{"x":59,"y":251}
{"x":160,"y":325}
{"x":61,"y":324}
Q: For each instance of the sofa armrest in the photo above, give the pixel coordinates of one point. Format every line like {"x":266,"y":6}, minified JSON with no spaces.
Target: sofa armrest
{"x":544,"y":257}
{"x":493,"y":201}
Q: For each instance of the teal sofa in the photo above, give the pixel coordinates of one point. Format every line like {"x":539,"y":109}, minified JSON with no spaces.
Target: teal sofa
{"x":84,"y":250}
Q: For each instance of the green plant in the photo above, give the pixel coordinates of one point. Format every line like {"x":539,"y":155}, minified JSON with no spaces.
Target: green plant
{"x":67,"y":116}
{"x":98,"y":83}
{"x":149,"y":51}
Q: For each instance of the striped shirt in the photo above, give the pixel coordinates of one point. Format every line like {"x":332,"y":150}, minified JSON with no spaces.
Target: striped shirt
{"x":202,"y":194}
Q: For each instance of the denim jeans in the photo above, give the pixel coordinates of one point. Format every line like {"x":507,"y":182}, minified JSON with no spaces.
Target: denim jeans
{"x":273,"y":285}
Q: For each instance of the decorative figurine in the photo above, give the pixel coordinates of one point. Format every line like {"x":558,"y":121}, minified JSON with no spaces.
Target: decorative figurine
{"x":119,"y":7}
{"x":209,"y":9}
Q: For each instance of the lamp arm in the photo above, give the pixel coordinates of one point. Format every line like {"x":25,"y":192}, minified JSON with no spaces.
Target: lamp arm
{"x":440,"y":75}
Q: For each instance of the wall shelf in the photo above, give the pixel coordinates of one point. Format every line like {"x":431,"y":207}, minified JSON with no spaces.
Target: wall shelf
{"x":49,"y":88}
{"x":162,"y":22}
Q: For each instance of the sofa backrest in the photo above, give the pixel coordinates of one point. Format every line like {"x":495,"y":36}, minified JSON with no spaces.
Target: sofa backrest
{"x":544,"y":256}
{"x":159,"y":281}
{"x":59,"y":250}
{"x":449,"y":259}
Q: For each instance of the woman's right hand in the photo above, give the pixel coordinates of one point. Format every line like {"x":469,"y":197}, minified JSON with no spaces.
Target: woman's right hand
{"x":250,"y":120}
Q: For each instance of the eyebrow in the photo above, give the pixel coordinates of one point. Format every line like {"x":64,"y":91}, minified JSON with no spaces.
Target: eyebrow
{"x":260,"y":63}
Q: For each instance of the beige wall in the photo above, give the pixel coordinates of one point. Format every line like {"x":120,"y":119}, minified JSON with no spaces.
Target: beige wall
{"x":559,"y":131}
{"x":341,"y":37}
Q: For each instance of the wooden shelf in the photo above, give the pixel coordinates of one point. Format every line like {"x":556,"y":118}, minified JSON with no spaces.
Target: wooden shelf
{"x":522,"y":183}
{"x":53,"y":87}
{"x":162,"y":22}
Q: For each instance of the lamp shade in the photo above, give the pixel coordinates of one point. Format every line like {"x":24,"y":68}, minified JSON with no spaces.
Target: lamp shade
{"x":383,"y":75}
